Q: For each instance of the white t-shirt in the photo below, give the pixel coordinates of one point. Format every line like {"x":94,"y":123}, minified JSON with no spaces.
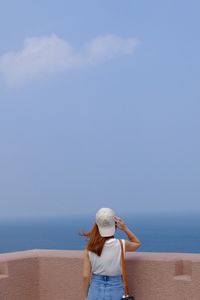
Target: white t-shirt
{"x":109,"y":263}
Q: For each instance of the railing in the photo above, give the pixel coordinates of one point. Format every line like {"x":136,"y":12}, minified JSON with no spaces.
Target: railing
{"x":57,"y":275}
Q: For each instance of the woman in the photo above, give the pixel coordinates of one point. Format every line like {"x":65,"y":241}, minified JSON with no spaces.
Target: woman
{"x":102,"y":257}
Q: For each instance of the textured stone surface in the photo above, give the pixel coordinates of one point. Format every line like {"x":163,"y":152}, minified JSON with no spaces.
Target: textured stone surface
{"x":57,"y":275}
{"x":19,"y":278}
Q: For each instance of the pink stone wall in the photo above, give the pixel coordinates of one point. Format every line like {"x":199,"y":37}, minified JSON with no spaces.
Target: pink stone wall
{"x":19,"y":276}
{"x":57,"y":275}
{"x":60,"y":275}
{"x":164,"y":276}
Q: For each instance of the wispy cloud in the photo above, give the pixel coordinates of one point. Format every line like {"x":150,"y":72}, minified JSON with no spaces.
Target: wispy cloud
{"x":45,"y":55}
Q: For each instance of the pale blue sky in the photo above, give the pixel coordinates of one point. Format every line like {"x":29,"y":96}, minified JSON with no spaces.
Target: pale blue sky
{"x":99,"y":106}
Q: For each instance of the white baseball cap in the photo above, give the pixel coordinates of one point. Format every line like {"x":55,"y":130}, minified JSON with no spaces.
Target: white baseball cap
{"x":105,"y":221}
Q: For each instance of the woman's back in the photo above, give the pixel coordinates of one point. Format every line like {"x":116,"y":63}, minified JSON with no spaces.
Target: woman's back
{"x":109,"y":263}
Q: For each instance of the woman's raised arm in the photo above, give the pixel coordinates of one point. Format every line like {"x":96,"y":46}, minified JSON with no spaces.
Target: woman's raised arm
{"x":134,"y":243}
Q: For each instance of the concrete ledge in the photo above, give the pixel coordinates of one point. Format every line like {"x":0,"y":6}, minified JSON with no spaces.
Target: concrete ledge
{"x":57,"y":275}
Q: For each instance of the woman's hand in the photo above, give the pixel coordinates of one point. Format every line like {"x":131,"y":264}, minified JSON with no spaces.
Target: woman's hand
{"x":120,"y":223}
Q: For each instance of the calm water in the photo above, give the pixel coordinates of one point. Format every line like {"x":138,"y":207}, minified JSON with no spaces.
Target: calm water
{"x":157,"y":232}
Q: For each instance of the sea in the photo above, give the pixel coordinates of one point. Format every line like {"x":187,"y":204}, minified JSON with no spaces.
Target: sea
{"x":158,"y":232}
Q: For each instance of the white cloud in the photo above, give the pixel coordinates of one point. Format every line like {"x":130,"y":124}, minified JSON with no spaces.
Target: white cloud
{"x":41,"y":56}
{"x":108,"y":47}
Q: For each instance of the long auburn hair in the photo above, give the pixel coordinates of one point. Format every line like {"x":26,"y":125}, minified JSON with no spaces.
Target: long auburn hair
{"x":96,"y":241}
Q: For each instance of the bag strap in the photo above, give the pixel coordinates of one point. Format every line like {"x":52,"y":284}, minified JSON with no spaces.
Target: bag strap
{"x":123,"y":269}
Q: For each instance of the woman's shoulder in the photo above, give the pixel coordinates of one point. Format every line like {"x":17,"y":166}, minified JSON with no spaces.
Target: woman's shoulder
{"x":114,"y":241}
{"x":111,"y":240}
{"x":123,"y":242}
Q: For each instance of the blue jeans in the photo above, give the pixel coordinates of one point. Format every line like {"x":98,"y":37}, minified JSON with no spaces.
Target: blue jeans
{"x":105,"y":287}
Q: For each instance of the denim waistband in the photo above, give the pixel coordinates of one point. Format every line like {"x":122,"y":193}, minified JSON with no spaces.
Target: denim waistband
{"x":107,"y":277}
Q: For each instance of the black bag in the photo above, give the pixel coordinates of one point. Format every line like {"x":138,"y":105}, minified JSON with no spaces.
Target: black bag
{"x":126,"y":296}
